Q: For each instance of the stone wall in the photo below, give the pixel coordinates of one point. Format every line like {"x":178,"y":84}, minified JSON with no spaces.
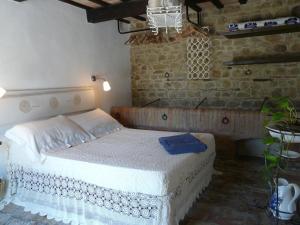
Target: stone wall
{"x":231,"y":87}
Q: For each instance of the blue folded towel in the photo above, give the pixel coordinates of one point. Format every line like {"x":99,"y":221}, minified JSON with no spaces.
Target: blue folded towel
{"x":183,"y":143}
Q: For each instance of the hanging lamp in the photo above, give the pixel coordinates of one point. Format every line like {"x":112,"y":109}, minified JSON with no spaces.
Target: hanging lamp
{"x":164,"y":14}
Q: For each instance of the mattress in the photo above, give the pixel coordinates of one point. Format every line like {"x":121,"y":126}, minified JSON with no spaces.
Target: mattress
{"x":129,"y":160}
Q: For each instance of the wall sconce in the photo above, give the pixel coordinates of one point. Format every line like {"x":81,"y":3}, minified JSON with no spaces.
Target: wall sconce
{"x":106,"y":85}
{"x":2,"y":92}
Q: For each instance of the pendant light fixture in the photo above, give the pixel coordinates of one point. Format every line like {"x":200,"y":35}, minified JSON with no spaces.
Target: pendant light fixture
{"x":164,"y":14}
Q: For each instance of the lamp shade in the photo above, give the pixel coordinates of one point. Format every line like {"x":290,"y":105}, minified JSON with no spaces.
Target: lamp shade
{"x":106,"y":86}
{"x":2,"y":92}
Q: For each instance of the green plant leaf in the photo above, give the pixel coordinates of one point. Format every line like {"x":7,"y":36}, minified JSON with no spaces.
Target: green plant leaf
{"x":269,"y":140}
{"x":282,"y":114}
{"x":272,"y":159}
{"x":265,"y":109}
{"x":284,"y":103}
{"x":278,"y":116}
{"x":266,"y":123}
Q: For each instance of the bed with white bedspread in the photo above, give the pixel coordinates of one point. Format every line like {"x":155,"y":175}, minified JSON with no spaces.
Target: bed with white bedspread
{"x":123,"y":178}
{"x":87,"y":169}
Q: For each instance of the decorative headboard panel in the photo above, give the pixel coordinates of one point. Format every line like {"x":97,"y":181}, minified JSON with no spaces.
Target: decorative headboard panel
{"x":19,"y":106}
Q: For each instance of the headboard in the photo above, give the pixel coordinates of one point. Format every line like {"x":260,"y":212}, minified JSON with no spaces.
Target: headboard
{"x":19,"y":106}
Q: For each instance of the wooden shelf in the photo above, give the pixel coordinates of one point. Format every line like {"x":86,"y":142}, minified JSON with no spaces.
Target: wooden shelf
{"x":262,"y":31}
{"x":287,"y":58}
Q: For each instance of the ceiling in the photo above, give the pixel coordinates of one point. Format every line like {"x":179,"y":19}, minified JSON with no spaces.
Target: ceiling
{"x":128,"y":10}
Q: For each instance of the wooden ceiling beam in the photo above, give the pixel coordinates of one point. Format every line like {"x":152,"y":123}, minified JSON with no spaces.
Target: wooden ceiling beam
{"x":117,"y":11}
{"x":195,"y":7}
{"x":141,"y":18}
{"x":124,"y":21}
{"x":217,"y":3}
{"x":76,"y":4}
{"x":100,"y":2}
{"x":103,"y":3}
{"x":136,"y":17}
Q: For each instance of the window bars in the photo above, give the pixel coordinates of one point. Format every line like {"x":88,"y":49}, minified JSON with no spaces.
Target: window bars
{"x":164,"y":14}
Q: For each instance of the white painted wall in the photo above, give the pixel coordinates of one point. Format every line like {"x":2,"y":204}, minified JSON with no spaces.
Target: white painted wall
{"x":47,"y":43}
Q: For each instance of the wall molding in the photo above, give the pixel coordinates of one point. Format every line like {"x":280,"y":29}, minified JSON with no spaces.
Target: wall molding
{"x":41,"y":91}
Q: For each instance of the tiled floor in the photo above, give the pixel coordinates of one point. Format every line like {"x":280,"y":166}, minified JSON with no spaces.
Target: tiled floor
{"x":237,"y":197}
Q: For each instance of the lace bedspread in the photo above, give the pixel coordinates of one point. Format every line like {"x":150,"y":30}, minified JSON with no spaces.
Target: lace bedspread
{"x":122,"y":161}
{"x":122,"y":178}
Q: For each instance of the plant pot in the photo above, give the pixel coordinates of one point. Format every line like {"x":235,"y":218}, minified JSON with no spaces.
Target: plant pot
{"x":288,"y":136}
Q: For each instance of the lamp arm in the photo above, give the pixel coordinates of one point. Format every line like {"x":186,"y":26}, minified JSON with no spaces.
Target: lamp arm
{"x":94,"y":78}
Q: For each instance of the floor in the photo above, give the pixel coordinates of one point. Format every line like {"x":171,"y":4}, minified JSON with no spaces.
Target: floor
{"x":237,"y":197}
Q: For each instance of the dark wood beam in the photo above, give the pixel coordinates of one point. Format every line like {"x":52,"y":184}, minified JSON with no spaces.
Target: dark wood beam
{"x":103,"y":3}
{"x":76,"y":4}
{"x":124,"y":21}
{"x":136,"y":17}
{"x":216,"y":3}
{"x":100,"y":2}
{"x":193,"y":5}
{"x":141,"y":18}
{"x":243,"y":1}
{"x":117,"y":11}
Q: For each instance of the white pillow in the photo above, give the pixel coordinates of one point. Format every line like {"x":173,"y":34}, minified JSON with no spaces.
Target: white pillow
{"x":42,"y":136}
{"x":97,"y":122}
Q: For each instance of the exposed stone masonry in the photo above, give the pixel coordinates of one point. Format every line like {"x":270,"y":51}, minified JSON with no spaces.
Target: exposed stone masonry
{"x":231,"y":87}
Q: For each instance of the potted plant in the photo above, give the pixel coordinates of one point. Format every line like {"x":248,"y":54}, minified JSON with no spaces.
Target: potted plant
{"x":282,"y":126}
{"x":282,"y":120}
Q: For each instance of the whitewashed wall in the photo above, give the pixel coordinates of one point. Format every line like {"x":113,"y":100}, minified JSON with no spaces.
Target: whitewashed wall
{"x":47,"y":43}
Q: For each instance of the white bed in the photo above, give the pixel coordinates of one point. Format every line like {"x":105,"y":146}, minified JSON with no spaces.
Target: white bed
{"x":122,"y":178}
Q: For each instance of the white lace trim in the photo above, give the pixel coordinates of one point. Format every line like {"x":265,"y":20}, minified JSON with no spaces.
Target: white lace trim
{"x":27,"y":190}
